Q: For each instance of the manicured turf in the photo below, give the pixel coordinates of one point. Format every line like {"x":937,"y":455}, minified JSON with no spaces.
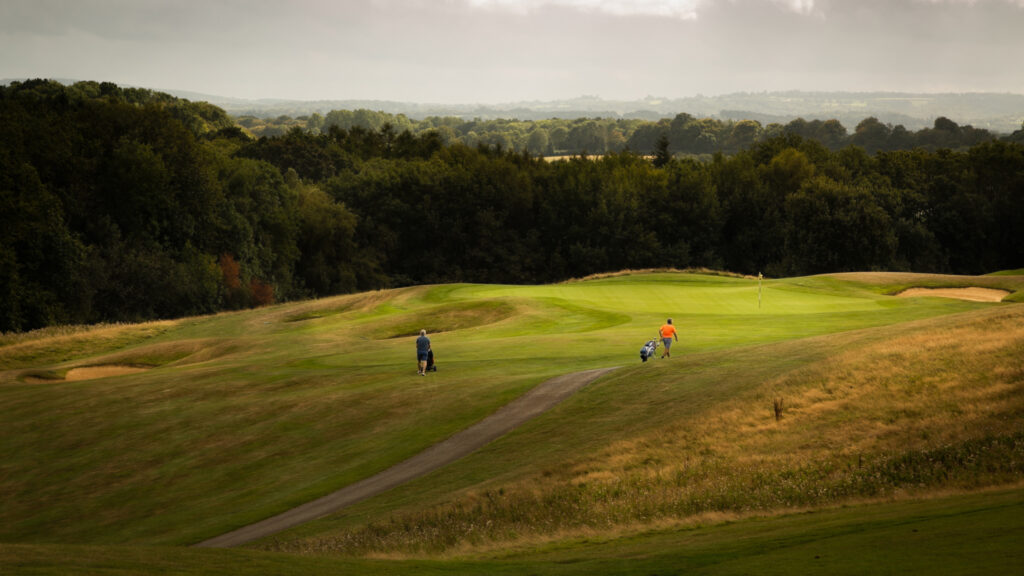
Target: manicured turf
{"x":247,"y":414}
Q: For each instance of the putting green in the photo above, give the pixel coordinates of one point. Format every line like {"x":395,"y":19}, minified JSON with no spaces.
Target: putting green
{"x":710,"y":311}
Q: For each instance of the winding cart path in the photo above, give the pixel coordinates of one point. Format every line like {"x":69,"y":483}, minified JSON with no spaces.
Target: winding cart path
{"x":538,"y":400}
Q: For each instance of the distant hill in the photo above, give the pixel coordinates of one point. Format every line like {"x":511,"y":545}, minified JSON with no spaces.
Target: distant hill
{"x":1002,"y":113}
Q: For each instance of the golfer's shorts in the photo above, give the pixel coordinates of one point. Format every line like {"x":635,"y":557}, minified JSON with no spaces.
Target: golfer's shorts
{"x":422,"y":356}
{"x":667,"y":342}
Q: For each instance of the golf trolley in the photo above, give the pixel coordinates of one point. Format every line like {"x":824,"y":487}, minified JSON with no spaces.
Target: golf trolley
{"x":649,"y":350}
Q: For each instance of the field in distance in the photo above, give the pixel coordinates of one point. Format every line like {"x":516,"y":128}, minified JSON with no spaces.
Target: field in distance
{"x":800,"y":408}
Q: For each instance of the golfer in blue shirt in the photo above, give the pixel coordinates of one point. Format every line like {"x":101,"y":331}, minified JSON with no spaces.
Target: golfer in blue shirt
{"x":422,"y":351}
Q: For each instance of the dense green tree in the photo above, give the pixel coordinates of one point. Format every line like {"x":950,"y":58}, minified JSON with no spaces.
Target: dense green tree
{"x":687,"y":134}
{"x":538,"y":142}
{"x":831,"y":134}
{"x":326,"y":242}
{"x":41,"y":276}
{"x":559,"y":137}
{"x":871,"y":135}
{"x":265,"y":239}
{"x":646,"y":137}
{"x":661,"y":155}
{"x":690,"y":224}
{"x":125,"y":204}
{"x":312,"y":157}
{"x":589,"y":136}
{"x":743,"y":135}
{"x":998,"y":177}
{"x":799,"y":127}
{"x":787,"y":171}
{"x":750,"y":225}
{"x":1017,"y":136}
{"x":834,"y":227}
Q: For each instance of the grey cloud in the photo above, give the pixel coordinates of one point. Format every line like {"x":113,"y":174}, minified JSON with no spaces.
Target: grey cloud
{"x":446,"y":51}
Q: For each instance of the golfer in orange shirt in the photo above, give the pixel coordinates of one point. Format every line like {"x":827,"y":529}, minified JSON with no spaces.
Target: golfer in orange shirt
{"x":667,"y":332}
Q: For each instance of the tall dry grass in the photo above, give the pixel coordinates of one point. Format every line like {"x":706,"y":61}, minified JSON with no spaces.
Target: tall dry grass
{"x":928,"y":409}
{"x":62,"y":343}
{"x":633,"y":272}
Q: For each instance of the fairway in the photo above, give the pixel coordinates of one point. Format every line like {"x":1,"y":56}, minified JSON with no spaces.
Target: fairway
{"x":230,"y":419}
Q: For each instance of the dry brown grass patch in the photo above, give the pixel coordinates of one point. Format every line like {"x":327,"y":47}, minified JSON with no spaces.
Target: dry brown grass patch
{"x":632,"y":272}
{"x":940,"y":385}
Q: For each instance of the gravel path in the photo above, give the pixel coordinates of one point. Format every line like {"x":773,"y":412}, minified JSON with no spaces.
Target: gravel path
{"x":536,"y":401}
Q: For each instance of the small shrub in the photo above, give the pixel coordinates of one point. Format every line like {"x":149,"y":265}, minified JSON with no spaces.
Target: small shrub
{"x":262,"y":294}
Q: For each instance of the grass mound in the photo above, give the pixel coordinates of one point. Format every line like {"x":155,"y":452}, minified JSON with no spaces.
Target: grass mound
{"x":60,"y":344}
{"x":444,"y":318}
{"x":134,"y":360}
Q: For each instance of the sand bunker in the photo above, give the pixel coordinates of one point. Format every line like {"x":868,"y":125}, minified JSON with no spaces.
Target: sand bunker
{"x":91,"y":373}
{"x":973,"y":294}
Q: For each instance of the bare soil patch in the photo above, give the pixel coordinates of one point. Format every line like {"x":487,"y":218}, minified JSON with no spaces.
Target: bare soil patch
{"x":974,"y":294}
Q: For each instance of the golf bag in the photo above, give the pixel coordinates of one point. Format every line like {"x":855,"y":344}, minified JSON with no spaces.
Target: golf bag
{"x":431,"y":367}
{"x":648,"y":350}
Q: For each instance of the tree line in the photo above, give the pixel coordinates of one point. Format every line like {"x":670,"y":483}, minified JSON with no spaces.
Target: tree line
{"x":124,"y":206}
{"x":686,"y":134}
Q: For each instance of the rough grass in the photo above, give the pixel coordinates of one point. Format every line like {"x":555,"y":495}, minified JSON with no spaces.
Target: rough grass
{"x":896,"y":282}
{"x":953,"y":535}
{"x":62,"y":343}
{"x":647,"y":271}
{"x":1017,"y":272}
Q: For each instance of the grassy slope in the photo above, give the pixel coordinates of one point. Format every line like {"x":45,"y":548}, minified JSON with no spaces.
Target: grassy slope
{"x":892,"y":411}
{"x":1018,"y":272}
{"x":253,"y":412}
{"x":894,"y":282}
{"x":965,"y":534}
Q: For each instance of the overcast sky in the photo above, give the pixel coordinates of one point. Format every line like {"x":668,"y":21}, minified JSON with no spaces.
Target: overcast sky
{"x":499,"y":51}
